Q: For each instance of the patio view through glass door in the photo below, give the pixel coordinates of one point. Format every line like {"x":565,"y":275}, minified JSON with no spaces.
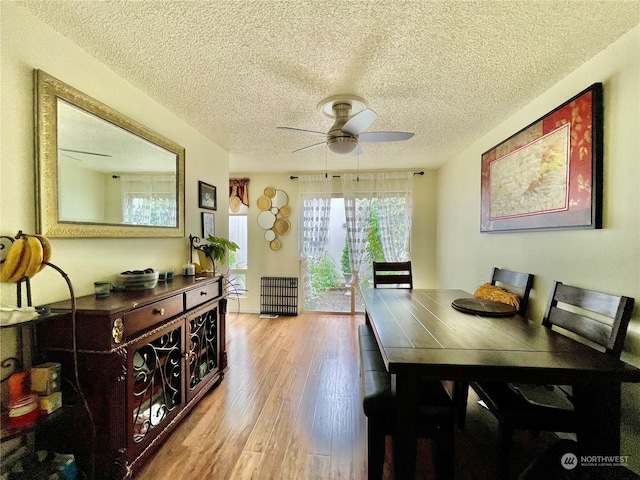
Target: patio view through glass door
{"x":331,"y":277}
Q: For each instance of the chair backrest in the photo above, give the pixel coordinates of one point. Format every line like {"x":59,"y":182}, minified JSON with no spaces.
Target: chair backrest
{"x":392,"y":274}
{"x":598,"y":317}
{"x":516,"y":282}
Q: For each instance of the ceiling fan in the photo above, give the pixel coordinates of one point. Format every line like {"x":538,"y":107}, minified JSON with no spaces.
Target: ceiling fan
{"x":352,"y":118}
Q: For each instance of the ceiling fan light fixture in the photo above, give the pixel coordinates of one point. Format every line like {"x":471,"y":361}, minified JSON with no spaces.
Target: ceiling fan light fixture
{"x":342,"y":145}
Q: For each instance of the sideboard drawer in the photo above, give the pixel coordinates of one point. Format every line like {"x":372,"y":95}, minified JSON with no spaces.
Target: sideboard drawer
{"x":145,"y":317}
{"x":198,"y":296}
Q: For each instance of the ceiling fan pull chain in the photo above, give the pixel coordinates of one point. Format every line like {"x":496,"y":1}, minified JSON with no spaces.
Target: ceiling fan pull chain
{"x":326,"y":162}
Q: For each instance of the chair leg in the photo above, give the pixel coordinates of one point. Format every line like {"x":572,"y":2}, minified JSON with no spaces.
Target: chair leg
{"x":443,"y":446}
{"x":503,"y":460}
{"x":375,"y":448}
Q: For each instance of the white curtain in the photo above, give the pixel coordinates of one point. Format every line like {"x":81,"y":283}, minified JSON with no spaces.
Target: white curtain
{"x":315,"y":202}
{"x":149,"y":200}
{"x":391,"y":193}
{"x":358,"y":191}
{"x":395,"y":193}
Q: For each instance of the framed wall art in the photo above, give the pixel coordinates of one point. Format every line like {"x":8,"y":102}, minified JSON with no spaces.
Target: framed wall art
{"x":208,"y":225}
{"x":207,"y":196}
{"x":549,"y":174}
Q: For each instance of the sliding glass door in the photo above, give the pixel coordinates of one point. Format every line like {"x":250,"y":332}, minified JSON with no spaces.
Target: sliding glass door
{"x":331,"y":277}
{"x":343,"y":234}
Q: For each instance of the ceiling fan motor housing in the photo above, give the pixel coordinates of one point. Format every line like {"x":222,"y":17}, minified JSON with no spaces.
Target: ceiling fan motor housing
{"x":337,"y":140}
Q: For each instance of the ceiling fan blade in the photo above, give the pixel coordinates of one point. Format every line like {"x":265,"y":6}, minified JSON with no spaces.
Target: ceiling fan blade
{"x":360,"y":122}
{"x":309,"y":147}
{"x":70,"y":156}
{"x":384,"y":136}
{"x":85,"y":153}
{"x":322,"y":134}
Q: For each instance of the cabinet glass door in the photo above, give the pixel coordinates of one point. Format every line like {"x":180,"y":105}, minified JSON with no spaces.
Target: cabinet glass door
{"x":156,"y":383}
{"x":202,"y":347}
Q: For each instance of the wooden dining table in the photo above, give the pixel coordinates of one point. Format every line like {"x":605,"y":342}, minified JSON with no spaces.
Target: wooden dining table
{"x":420,"y":335}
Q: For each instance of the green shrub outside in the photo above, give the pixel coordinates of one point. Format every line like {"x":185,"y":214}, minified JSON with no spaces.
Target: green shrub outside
{"x":323,"y":274}
{"x":374,"y":244}
{"x":344,"y":259}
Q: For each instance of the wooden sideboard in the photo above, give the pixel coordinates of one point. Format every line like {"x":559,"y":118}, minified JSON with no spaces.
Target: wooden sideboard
{"x":144,"y":359}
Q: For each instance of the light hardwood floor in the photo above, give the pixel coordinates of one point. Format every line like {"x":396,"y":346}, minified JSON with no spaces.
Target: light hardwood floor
{"x":289,"y":407}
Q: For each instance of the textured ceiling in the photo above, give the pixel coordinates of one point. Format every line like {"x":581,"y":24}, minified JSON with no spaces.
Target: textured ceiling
{"x":447,"y":70}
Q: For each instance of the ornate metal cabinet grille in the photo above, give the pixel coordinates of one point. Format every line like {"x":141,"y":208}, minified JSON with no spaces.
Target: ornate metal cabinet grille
{"x":202,"y":348}
{"x":157,"y":382}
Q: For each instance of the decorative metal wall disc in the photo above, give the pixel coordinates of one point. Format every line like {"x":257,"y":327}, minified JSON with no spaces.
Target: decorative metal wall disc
{"x":282,"y":226}
{"x":264,"y":203}
{"x":285,"y":211}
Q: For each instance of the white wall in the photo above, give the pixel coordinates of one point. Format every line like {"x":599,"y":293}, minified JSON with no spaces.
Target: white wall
{"x":27,"y":44}
{"x":81,"y":193}
{"x":262,"y":261}
{"x":607,"y":259}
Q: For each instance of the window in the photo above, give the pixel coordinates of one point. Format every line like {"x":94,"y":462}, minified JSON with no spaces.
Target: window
{"x":238,"y":259}
{"x":149,"y":199}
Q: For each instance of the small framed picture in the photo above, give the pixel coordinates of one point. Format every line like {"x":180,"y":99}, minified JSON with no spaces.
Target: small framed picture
{"x":207,"y":197}
{"x":208,"y":225}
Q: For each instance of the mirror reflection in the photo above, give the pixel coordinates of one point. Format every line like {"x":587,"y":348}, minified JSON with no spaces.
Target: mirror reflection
{"x":100,"y":173}
{"x":109,"y":175}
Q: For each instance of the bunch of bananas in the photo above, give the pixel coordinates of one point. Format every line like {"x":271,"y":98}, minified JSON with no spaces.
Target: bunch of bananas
{"x":25,"y":257}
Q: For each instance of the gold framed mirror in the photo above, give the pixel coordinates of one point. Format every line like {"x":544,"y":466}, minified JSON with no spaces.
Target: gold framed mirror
{"x":100,"y":173}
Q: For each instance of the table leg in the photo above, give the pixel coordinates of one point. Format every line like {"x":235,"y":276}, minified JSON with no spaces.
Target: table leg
{"x":597,"y":409}
{"x":405,"y":437}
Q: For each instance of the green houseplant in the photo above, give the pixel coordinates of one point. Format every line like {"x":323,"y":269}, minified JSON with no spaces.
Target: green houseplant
{"x":216,"y":249}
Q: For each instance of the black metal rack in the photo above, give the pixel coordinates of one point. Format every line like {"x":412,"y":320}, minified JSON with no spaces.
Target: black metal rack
{"x":279,"y":296}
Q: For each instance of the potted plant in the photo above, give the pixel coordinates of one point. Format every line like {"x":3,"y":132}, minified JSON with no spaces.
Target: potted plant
{"x":216,"y":249}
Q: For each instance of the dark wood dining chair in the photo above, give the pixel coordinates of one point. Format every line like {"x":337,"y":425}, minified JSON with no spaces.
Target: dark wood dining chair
{"x":516,"y":282}
{"x":436,"y":418}
{"x":519,"y":283}
{"x":392,"y":275}
{"x":598,"y":319}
